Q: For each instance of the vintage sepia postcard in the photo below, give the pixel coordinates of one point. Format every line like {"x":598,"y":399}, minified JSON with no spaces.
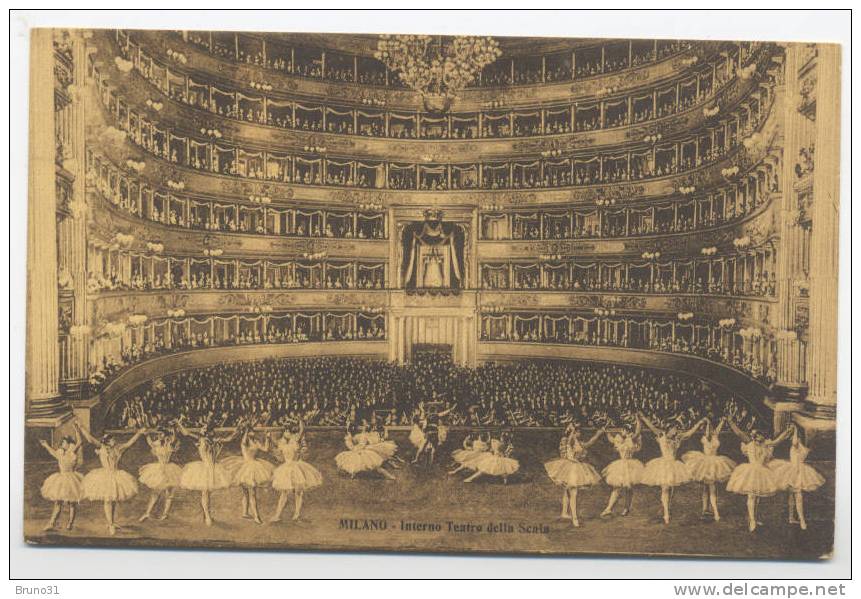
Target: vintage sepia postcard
{"x":427,"y":293}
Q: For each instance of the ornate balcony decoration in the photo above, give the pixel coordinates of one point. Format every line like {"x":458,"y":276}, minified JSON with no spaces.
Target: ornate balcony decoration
{"x":155,"y":105}
{"x":135,"y":165}
{"x":807,"y":96}
{"x":64,"y":195}
{"x":438,"y":68}
{"x":135,"y":320}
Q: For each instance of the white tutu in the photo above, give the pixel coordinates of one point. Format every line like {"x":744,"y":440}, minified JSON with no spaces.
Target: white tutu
{"x":795,"y":477}
{"x":708,"y":468}
{"x":624,"y":472}
{"x":248,"y":473}
{"x":752,"y":479}
{"x":495,"y":465}
{"x":569,"y":473}
{"x":417,"y":437}
{"x":63,"y":486}
{"x":103,"y":484}
{"x":296,"y":476}
{"x":354,"y":461}
{"x":158,"y":476}
{"x":200,"y":476}
{"x":461,"y":456}
{"x":385,"y":449}
{"x":666,"y":472}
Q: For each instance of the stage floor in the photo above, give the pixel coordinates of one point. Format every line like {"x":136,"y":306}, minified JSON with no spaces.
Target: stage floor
{"x":521,"y":516}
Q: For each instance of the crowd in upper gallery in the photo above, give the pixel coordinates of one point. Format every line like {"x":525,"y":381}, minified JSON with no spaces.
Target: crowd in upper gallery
{"x":703,"y":210}
{"x":258,"y":107}
{"x":637,"y":163}
{"x":284,"y":57}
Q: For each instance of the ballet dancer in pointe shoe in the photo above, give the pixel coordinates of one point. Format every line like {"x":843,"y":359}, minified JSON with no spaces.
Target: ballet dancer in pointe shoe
{"x":572,"y":471}
{"x":474,"y":449}
{"x":625,"y":472}
{"x":358,"y":458}
{"x":754,"y":479}
{"x":667,"y":472}
{"x":247,"y":471}
{"x":206,"y":474}
{"x":497,"y":461}
{"x":108,"y":483}
{"x":66,"y":486}
{"x":294,"y":475}
{"x":796,"y":477}
{"x":377,"y":437}
{"x":709,"y":468}
{"x":162,"y":476}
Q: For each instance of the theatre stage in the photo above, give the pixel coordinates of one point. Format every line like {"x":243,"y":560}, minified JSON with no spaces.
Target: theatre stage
{"x":444,"y":514}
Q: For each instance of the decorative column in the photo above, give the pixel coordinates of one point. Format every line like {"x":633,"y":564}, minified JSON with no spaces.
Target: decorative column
{"x":73,"y":233}
{"x":789,"y":387}
{"x":822,"y":357}
{"x":44,"y":406}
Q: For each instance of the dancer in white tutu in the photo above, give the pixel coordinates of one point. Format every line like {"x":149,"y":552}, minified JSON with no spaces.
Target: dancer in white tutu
{"x":377,"y":436}
{"x":572,"y":471}
{"x":247,"y":471}
{"x":358,"y":458}
{"x":161,"y":476}
{"x":622,"y":474}
{"x":667,"y":472}
{"x":754,"y":479}
{"x":796,"y":477}
{"x":497,"y":461}
{"x":295,"y":475}
{"x":709,"y":468}
{"x":108,"y":483}
{"x":206,"y":474}
{"x":65,"y":486}
{"x":474,"y":448}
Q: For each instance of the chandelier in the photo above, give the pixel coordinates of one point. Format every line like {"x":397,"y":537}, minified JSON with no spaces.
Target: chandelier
{"x":436,"y":67}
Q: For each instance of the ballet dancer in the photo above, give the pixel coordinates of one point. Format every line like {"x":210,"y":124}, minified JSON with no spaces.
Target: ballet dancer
{"x":161,"y":476}
{"x":417,"y":435}
{"x":709,"y":468}
{"x":626,"y":471}
{"x":796,"y":477}
{"x":497,"y":461}
{"x":571,"y":471}
{"x":247,"y":471}
{"x":108,"y":483}
{"x":206,"y":474}
{"x":378,"y":441}
{"x":667,"y":472}
{"x":434,"y":434}
{"x":358,"y":458}
{"x":473,"y":449}
{"x":65,"y":486}
{"x":294,"y":474}
{"x":754,"y":478}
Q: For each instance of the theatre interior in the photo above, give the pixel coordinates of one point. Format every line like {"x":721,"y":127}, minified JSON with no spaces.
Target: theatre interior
{"x":289,"y":223}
